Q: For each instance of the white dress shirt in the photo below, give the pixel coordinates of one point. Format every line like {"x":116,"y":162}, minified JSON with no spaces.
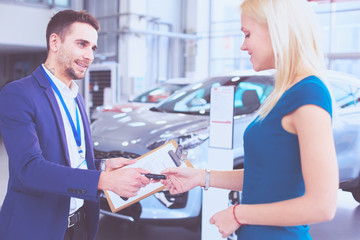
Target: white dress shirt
{"x":69,"y":95}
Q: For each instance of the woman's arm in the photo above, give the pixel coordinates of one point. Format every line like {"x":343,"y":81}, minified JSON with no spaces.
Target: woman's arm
{"x":319,"y":169}
{"x":232,"y":180}
{"x":320,"y":172}
{"x":184,"y":179}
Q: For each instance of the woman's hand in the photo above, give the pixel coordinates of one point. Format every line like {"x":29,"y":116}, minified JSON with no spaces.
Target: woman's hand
{"x":225,"y":222}
{"x":182,"y":179}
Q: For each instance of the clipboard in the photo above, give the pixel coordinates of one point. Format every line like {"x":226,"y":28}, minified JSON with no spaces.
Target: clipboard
{"x":168,"y":155}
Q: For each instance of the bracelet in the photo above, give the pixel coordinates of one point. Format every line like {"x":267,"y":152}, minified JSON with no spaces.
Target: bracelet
{"x":207,"y":180}
{"x":237,"y":221}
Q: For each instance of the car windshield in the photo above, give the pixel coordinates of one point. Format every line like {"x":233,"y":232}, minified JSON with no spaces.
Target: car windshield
{"x":250,"y":92}
{"x":158,"y":94}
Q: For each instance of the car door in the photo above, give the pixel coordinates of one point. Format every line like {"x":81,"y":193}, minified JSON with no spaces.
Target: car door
{"x":346,"y":128}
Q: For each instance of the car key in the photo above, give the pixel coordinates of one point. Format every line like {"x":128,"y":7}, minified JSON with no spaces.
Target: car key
{"x":152,"y":176}
{"x":155,"y":176}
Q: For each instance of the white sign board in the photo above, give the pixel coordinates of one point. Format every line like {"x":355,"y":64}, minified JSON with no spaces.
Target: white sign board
{"x":222,"y":117}
{"x":220,"y":156}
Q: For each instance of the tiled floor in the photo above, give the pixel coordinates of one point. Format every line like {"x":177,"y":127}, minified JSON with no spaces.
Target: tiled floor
{"x":345,"y":226}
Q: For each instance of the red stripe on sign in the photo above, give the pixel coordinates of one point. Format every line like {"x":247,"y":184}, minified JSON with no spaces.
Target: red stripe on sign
{"x":221,"y":121}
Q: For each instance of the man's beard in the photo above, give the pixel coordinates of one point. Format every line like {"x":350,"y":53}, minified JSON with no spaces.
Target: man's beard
{"x":71,"y":73}
{"x":65,"y":60}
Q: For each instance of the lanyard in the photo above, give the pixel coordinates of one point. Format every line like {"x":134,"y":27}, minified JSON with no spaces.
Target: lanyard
{"x":76,"y":133}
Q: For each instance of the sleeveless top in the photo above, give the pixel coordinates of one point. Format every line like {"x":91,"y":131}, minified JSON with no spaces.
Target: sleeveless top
{"x":272,"y":159}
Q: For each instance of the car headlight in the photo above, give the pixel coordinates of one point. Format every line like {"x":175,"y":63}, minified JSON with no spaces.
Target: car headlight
{"x":188,"y":140}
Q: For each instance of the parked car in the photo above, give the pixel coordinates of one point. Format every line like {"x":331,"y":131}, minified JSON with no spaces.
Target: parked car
{"x":184,"y":116}
{"x":146,"y":99}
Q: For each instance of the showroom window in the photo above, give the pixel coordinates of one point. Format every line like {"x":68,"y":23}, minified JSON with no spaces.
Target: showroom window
{"x":145,"y":38}
{"x":226,"y":38}
{"x":341,"y":30}
{"x":46,"y":3}
{"x":107,"y":14}
{"x":59,"y":3}
{"x":339,"y":21}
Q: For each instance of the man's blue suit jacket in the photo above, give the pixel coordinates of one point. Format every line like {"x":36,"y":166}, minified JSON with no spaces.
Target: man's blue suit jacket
{"x":41,"y":182}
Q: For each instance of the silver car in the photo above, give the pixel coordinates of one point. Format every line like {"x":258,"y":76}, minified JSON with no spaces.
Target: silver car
{"x":146,"y":99}
{"x":184,"y":116}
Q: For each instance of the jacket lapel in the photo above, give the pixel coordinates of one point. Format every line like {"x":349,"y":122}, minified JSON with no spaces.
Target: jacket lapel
{"x":40,"y":76}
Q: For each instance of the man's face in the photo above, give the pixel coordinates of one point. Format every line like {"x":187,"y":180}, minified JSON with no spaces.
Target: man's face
{"x":76,"y":51}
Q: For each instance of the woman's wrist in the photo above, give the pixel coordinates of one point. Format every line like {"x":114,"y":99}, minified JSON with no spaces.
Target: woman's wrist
{"x":234,"y":214}
{"x":201,"y":177}
{"x":207,"y":179}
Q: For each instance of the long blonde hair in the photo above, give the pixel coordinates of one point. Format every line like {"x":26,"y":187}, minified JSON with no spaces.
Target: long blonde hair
{"x":294,"y":36}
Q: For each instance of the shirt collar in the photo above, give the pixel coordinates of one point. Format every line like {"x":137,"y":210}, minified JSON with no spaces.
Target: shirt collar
{"x":71,"y":91}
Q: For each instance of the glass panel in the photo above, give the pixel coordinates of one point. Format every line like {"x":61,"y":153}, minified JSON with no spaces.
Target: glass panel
{"x":163,"y":53}
{"x":62,"y":3}
{"x":31,"y":1}
{"x":57,"y":3}
{"x":249,"y":96}
{"x":226,"y":36}
{"x":107,"y":42}
{"x":341,"y":32}
{"x":225,"y":10}
{"x":339,"y":22}
{"x":323,"y":15}
{"x":351,"y":66}
{"x":346,"y":32}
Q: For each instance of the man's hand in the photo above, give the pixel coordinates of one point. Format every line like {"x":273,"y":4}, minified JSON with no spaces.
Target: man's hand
{"x":115,"y":163}
{"x":125,"y":182}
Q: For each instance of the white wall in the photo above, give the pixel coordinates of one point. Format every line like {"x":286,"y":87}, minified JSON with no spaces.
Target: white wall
{"x":26,"y":25}
{"x":23,"y":26}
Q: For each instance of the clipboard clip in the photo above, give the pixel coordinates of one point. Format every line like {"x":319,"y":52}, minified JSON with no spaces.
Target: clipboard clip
{"x":178,"y":156}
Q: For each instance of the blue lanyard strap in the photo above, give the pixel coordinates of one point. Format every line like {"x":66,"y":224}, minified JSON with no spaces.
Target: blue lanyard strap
{"x":76,"y":133}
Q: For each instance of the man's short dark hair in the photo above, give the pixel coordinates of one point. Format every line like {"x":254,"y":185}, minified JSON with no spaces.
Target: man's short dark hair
{"x":61,"y":22}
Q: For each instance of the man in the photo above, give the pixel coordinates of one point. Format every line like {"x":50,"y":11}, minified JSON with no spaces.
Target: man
{"x":53,"y":189}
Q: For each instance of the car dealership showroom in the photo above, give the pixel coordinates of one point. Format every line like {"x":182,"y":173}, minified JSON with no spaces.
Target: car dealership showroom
{"x":146,"y":97}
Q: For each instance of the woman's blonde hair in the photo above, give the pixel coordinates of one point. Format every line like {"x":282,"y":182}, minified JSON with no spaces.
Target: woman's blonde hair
{"x":294,"y":37}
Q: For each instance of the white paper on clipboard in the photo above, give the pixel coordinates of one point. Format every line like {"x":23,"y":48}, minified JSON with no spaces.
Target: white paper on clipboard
{"x":155,"y":161}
